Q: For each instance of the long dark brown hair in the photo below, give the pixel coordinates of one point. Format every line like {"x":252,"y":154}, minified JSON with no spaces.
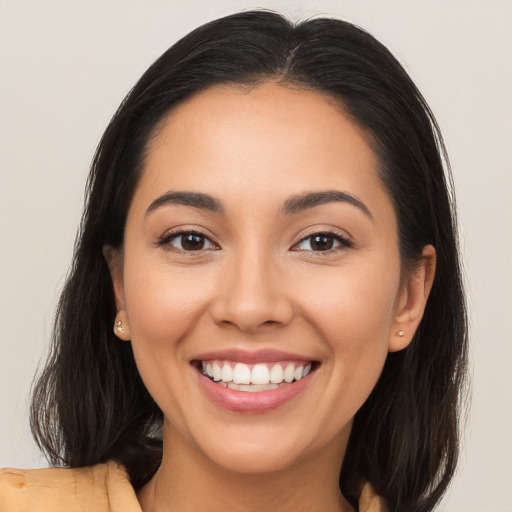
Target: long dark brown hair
{"x":89,"y":402}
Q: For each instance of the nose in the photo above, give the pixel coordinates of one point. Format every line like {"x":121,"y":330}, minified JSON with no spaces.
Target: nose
{"x":252,"y":295}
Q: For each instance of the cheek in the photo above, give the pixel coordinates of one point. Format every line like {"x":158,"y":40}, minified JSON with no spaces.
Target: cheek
{"x":358,"y":306}
{"x":353,"y":313}
{"x":162,"y":303}
{"x":163,"y":306}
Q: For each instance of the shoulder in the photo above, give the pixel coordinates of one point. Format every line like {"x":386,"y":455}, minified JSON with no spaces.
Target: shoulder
{"x":103,"y":487}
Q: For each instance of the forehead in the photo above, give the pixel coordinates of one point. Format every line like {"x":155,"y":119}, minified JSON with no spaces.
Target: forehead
{"x":268,"y":141}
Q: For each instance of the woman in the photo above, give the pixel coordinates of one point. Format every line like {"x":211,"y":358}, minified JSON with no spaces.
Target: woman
{"x":265,"y":307}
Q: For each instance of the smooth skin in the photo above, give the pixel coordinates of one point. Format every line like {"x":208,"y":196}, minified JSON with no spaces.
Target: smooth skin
{"x":253,"y":276}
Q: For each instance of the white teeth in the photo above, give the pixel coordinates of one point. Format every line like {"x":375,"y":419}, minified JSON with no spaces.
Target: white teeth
{"x":253,"y":388}
{"x":289,"y":373}
{"x":260,"y":374}
{"x":276,"y":374}
{"x":247,"y":387}
{"x":227,"y":373}
{"x":264,"y":376}
{"x":217,"y":372}
{"x":241,"y":374}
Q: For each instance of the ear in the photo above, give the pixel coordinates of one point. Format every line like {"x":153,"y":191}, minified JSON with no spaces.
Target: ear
{"x":412,"y":300}
{"x":114,"y":259}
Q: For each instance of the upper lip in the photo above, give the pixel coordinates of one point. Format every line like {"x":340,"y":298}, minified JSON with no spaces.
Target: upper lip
{"x":249,"y":356}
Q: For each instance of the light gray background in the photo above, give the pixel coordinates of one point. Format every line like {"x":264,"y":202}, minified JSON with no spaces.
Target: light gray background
{"x":64,"y":68}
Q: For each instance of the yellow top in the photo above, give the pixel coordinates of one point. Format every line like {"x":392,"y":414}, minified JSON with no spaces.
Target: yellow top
{"x":100,"y":488}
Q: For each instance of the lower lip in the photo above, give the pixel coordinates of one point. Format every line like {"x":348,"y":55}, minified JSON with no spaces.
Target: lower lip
{"x":252,"y":402}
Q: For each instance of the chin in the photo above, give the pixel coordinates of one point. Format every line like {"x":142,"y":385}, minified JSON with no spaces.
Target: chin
{"x":253,"y":459}
{"x":267,"y":449}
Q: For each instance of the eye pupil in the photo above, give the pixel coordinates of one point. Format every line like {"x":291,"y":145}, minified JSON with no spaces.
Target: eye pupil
{"x":192,"y":242}
{"x":321,"y":242}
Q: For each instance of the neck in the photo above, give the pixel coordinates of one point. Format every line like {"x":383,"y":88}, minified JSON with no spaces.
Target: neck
{"x":187,"y":481}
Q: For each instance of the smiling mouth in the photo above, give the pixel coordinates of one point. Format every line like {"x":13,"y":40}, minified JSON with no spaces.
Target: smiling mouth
{"x":255,"y":377}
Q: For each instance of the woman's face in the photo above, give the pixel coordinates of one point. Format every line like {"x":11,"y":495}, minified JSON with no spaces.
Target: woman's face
{"x":261,"y":244}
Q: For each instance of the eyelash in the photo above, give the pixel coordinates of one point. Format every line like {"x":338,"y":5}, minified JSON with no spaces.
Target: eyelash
{"x":343,"y":243}
{"x":166,"y":240}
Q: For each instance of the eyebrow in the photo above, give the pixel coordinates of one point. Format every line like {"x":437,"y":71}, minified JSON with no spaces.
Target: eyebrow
{"x":194,"y":199}
{"x":294,"y":204}
{"x":308,"y":200}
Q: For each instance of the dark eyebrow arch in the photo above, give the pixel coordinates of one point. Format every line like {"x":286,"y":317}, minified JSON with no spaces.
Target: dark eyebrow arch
{"x":311,"y":199}
{"x":194,"y":199}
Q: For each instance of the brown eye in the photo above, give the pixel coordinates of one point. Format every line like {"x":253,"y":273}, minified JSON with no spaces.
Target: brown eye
{"x":188,"y":241}
{"x":322,"y":242}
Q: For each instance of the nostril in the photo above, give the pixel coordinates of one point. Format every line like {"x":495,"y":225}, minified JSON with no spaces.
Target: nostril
{"x":249,"y":325}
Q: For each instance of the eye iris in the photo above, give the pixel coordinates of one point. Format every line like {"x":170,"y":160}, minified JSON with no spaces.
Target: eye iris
{"x":192,"y":242}
{"x":321,"y":242}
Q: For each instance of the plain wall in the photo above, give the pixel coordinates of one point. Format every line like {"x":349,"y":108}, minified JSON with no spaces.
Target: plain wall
{"x":64,"y":68}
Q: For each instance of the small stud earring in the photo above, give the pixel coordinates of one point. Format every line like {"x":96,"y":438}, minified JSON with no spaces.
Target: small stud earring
{"x":401,"y":333}
{"x":118,"y":327}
